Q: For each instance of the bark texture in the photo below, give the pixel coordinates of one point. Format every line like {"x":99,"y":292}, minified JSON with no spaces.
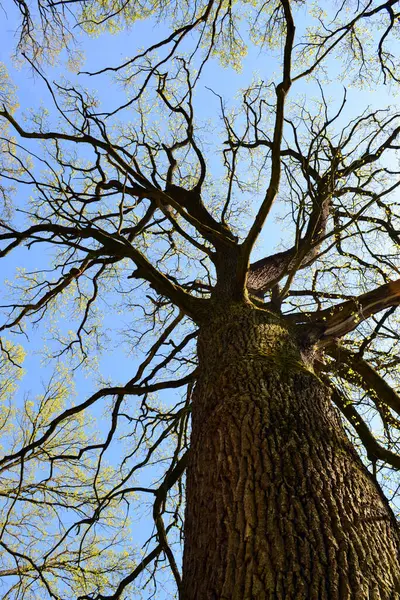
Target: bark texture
{"x":279,"y":506}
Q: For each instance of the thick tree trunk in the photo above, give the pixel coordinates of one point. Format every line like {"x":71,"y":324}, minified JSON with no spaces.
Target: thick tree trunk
{"x":279,"y":506}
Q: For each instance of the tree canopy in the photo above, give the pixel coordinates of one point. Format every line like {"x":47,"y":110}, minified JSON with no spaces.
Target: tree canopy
{"x":132,"y":210}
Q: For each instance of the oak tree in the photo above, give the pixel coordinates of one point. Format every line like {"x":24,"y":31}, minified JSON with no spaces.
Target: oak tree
{"x":260,"y":423}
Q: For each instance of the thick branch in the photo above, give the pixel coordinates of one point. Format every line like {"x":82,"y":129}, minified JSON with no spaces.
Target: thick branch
{"x":368,"y":378}
{"x":374,"y":450}
{"x":265,"y":273}
{"x":192,"y":202}
{"x":205,"y":226}
{"x":113,"y":245}
{"x":335,"y":322}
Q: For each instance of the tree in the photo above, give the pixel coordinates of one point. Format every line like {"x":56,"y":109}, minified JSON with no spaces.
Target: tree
{"x":276,"y":458}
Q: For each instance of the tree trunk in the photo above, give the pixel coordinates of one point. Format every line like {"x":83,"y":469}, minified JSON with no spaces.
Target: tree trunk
{"x":279,"y":505}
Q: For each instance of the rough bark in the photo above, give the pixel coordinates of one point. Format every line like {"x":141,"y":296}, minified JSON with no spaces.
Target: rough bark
{"x":279,"y":505}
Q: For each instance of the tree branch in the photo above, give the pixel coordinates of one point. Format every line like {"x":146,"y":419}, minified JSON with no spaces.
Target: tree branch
{"x":335,"y":322}
{"x":199,"y":218}
{"x":113,"y":245}
{"x":367,"y":377}
{"x":374,"y":450}
{"x":282,"y":90}
{"x":136,"y":390}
